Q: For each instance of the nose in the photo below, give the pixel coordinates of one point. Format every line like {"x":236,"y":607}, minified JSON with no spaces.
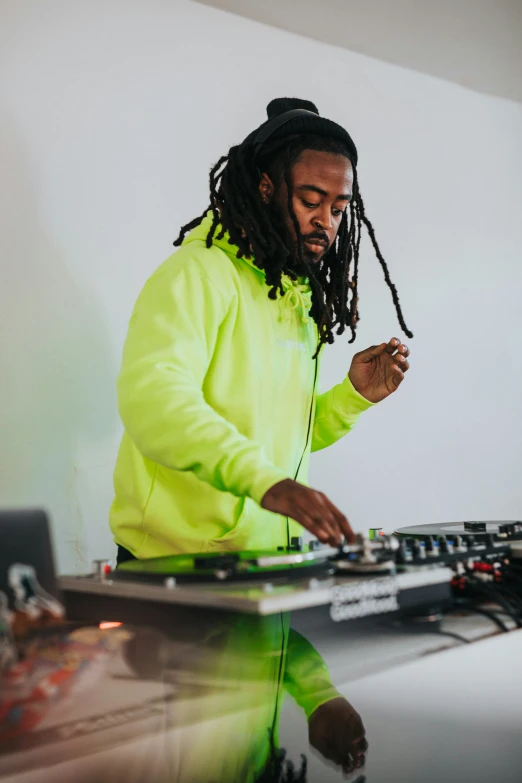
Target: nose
{"x":323,"y":220}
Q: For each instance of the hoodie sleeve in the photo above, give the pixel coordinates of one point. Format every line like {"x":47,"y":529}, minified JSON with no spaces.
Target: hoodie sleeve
{"x":306,"y":677}
{"x":336,"y":413}
{"x":171,"y":339}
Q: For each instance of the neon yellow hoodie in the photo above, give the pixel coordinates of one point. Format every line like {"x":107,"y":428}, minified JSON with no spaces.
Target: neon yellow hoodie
{"x":215,"y":392}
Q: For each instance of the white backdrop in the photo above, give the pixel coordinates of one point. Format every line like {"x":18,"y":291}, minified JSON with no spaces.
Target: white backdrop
{"x":111,"y":114}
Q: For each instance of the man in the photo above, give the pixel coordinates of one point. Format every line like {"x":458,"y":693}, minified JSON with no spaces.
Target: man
{"x":217,"y":389}
{"x":218,"y":386}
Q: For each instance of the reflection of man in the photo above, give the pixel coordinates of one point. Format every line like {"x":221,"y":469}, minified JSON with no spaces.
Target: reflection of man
{"x":240,"y":672}
{"x":217,"y":389}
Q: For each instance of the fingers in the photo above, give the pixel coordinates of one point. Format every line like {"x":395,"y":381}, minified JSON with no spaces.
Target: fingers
{"x":371,"y":352}
{"x":401,"y":362}
{"x":399,"y":352}
{"x":319,"y":515}
{"x":312,"y":509}
{"x":329,"y":515}
{"x":359,"y":753}
{"x":396,"y":345}
{"x":337,"y":731}
{"x":353,"y":765}
{"x":350,"y":760}
{"x":398,"y":376}
{"x":393,"y":345}
{"x":342,"y":522}
{"x":320,"y":528}
{"x":327,"y":528}
{"x":354,"y":756}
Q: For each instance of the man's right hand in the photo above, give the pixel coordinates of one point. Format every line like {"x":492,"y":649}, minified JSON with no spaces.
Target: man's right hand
{"x":311,"y":509}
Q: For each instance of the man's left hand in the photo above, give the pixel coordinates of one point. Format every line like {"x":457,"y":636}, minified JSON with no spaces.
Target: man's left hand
{"x":379,"y":371}
{"x":336,"y":730}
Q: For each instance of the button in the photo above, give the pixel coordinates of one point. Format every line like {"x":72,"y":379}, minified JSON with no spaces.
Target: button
{"x":507,"y":530}
{"x":460,"y":544}
{"x":445,"y":545}
{"x":374,"y":532}
{"x":432,"y":546}
{"x":405,"y":554}
{"x":476,"y":527}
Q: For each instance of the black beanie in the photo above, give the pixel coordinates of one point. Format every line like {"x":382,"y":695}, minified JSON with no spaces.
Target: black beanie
{"x":311,"y":122}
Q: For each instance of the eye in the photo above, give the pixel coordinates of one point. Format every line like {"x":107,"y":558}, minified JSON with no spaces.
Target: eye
{"x":309,"y":204}
{"x":337,"y":212}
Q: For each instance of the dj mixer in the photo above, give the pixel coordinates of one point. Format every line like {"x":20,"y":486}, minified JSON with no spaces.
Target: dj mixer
{"x":414,"y":568}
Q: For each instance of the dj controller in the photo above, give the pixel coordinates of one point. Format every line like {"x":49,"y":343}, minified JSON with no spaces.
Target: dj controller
{"x":413,"y":570}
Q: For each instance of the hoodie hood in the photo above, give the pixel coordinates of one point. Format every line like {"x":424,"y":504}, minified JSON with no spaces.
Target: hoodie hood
{"x":297,"y":293}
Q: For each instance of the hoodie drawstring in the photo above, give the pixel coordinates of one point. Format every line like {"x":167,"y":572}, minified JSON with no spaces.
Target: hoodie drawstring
{"x":295,"y":296}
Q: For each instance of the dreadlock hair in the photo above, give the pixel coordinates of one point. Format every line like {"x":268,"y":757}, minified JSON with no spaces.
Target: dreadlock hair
{"x":237,"y":208}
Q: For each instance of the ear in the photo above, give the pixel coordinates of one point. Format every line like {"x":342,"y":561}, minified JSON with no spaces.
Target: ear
{"x":266,"y":188}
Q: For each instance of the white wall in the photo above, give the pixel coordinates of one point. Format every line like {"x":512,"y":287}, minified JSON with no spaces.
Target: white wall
{"x":475,"y":43}
{"x":111,"y":114}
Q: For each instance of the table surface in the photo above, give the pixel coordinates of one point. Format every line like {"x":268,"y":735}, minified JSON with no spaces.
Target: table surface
{"x":435,"y":709}
{"x":451,"y":716}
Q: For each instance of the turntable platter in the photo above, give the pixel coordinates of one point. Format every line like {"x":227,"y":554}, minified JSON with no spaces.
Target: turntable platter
{"x":231,"y":566}
{"x":503,"y":529}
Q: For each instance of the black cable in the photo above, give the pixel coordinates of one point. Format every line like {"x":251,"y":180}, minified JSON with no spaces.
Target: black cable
{"x":491,"y":615}
{"x":305,"y":446}
{"x":509,"y":594}
{"x":480,"y":587}
{"x":516,"y":566}
{"x":510,"y":588}
{"x":513,"y":579}
{"x":429,"y":628}
{"x":275,"y":759}
{"x":503,"y":589}
{"x":504,"y":614}
{"x":454,"y":636}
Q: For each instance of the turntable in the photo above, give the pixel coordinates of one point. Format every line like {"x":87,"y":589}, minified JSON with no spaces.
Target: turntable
{"x":450,"y":542}
{"x":375,"y":574}
{"x":480,"y":530}
{"x":296,"y":562}
{"x":355,"y":580}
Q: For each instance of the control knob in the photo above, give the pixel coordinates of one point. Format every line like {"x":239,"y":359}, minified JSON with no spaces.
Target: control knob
{"x":475,"y":527}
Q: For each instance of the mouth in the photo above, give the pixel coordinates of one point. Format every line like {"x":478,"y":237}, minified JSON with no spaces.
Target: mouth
{"x":316,"y":245}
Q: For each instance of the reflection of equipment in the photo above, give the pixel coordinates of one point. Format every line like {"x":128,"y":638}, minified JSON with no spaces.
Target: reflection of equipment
{"x":415,"y":570}
{"x":24,"y":538}
{"x":29,"y":596}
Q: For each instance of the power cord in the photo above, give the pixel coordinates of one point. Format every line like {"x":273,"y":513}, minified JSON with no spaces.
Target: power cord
{"x":431,"y":627}
{"x":486,"y":613}
{"x":493,"y":595}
